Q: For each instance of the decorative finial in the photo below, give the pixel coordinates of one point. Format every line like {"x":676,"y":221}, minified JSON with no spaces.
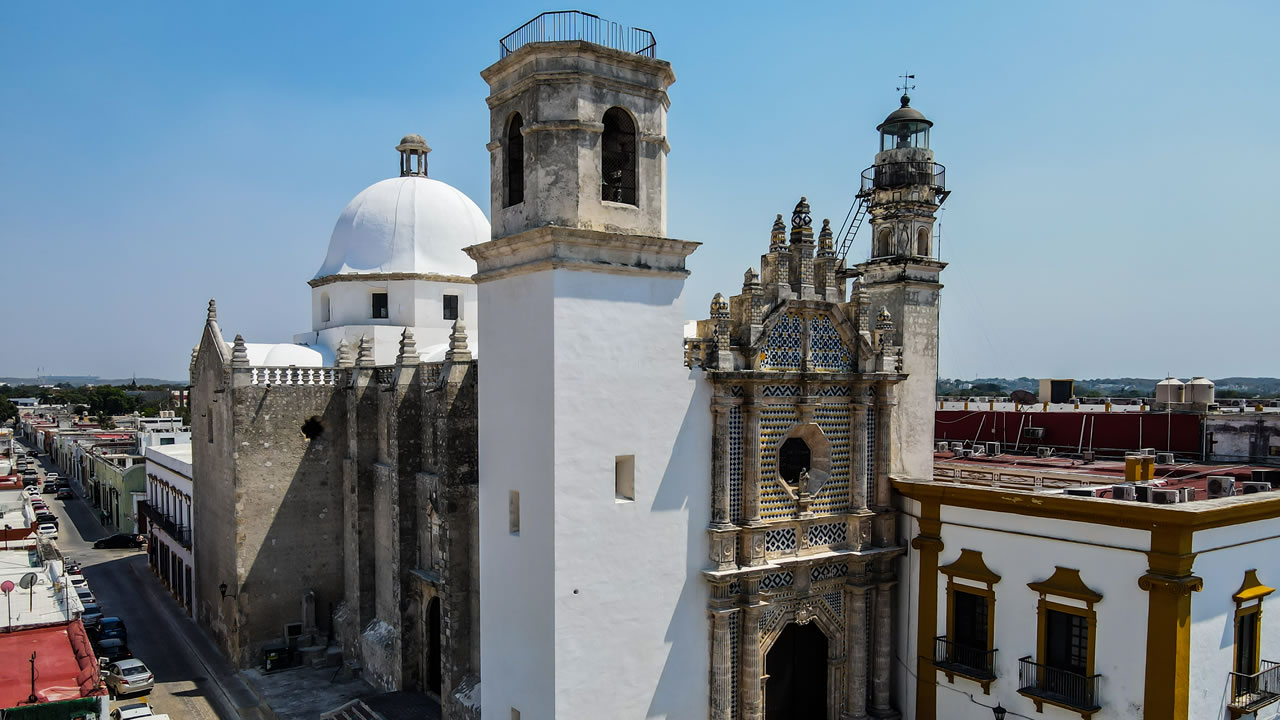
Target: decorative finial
{"x":884,"y":321}
{"x":364,"y":358}
{"x":458,"y":350}
{"x":213,"y":310}
{"x":239,"y":352}
{"x":800,"y":216}
{"x":778,"y":238}
{"x":719,"y":307}
{"x":413,"y":156}
{"x":750,"y":278}
{"x":344,"y":354}
{"x":825,"y":244}
{"x":408,"y":349}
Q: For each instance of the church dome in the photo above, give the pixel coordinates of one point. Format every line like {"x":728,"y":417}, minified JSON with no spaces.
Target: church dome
{"x":408,"y":224}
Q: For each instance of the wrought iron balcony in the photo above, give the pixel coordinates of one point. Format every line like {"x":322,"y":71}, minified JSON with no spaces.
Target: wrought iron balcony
{"x":1056,"y":686}
{"x":565,"y":25}
{"x":970,"y":662}
{"x":1251,"y":692}
{"x":902,"y":174}
{"x":181,"y":533}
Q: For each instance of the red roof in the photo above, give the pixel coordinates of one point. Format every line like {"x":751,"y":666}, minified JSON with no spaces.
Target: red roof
{"x":65,"y":666}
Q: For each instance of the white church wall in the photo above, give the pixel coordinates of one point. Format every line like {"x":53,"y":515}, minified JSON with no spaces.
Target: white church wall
{"x":517,"y":579}
{"x":906,"y":637}
{"x":630,"y":603}
{"x":1224,"y":554}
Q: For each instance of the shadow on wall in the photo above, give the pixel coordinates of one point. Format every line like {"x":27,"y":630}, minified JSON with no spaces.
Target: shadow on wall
{"x":289,"y":506}
{"x":686,"y":487}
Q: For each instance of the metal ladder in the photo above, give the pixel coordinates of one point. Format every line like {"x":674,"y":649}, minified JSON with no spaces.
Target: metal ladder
{"x":852,"y":221}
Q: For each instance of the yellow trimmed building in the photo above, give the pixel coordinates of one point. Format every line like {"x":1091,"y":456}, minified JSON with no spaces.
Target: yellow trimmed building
{"x":1051,"y":605}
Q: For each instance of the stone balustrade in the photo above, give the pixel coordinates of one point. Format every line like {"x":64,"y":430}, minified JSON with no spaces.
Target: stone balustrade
{"x":292,"y":375}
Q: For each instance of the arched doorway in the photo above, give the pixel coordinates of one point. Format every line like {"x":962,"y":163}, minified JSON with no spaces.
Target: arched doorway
{"x":797,"y":669}
{"x":433,"y":646}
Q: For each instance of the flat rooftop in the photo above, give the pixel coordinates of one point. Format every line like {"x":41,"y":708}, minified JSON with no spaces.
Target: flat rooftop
{"x":45,"y":603}
{"x":65,"y":666}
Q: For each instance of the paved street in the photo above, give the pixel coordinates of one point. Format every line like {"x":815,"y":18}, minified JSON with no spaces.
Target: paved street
{"x":192,"y":679}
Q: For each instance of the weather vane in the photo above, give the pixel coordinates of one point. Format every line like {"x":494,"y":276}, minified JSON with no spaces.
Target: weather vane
{"x":905,"y":86}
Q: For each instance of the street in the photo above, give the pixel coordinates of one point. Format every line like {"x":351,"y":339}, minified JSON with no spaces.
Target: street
{"x":191,"y":677}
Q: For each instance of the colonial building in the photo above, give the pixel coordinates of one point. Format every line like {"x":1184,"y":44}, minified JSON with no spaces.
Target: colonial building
{"x":168,"y":518}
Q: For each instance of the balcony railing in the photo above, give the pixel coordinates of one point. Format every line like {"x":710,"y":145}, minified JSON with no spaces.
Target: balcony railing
{"x":181,"y":533}
{"x":565,"y":25}
{"x":971,"y":662}
{"x":1058,"y":686}
{"x":1251,"y":692}
{"x":901,"y":174}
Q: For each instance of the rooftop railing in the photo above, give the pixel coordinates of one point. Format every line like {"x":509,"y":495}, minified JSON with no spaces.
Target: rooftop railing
{"x":1251,"y":692}
{"x":901,"y":174}
{"x":565,"y":25}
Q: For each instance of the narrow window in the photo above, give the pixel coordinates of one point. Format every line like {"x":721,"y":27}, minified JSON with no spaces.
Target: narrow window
{"x":515,"y":161}
{"x":618,"y":158}
{"x":450,"y":307}
{"x":884,"y":243}
{"x":209,"y":417}
{"x":325,"y":315}
{"x":1246,"y":662}
{"x":379,"y":305}
{"x":922,"y":242}
{"x":624,"y":478}
{"x":515,"y":714}
{"x":969,"y":630}
{"x":1066,"y":642}
{"x":513,"y":512}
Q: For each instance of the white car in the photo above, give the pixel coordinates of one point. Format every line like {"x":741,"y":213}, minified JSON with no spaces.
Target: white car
{"x":31,"y":491}
{"x":78,"y":581}
{"x":47,"y":530}
{"x":127,"y":676}
{"x":51,"y":477}
{"x":140,"y":709}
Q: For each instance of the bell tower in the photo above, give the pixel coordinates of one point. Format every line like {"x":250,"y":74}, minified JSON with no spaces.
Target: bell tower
{"x":903,"y":191}
{"x":586,"y":562}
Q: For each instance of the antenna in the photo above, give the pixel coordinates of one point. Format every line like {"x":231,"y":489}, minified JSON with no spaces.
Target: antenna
{"x":906,"y":86}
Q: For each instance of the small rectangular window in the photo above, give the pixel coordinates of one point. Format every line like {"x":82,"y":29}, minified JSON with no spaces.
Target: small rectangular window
{"x":513,"y":512}
{"x":450,"y":307}
{"x":969,"y":630}
{"x":1067,"y":644}
{"x":624,"y":478}
{"x":380,"y":305}
{"x":167,"y":441}
{"x":1247,"y":641}
{"x":515,"y":714}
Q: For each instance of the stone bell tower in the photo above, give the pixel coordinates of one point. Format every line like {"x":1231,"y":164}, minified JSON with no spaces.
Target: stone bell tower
{"x":903,"y":190}
{"x":588,"y":568}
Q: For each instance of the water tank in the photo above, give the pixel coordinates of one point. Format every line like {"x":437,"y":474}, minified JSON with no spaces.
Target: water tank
{"x":1200,"y":391}
{"x":1170,"y":390}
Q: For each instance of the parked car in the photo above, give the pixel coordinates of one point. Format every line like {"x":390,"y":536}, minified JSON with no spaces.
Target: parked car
{"x":47,"y":517}
{"x":31,"y":491}
{"x":52,"y":477}
{"x":64,"y":493}
{"x":140,"y":709}
{"x":49,"y":486}
{"x":84,"y":593}
{"x":112,"y":627}
{"x":119,"y":540}
{"x":92,"y":615}
{"x":112,"y":650}
{"x":78,"y":581}
{"x":127,"y":676}
{"x":47,"y":530}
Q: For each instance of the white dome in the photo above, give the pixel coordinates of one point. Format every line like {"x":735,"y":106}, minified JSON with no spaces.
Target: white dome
{"x":406,"y":224}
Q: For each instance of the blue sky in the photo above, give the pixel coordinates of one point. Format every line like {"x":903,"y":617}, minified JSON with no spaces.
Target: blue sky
{"x":1112,"y":164}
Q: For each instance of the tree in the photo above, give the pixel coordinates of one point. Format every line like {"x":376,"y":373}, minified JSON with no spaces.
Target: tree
{"x":8,"y":410}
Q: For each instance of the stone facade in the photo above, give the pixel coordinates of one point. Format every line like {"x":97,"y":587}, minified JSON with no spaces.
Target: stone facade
{"x":337,"y":504}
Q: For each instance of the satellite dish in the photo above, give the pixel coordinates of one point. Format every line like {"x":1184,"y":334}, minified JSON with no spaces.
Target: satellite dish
{"x":1022,"y":397}
{"x":7,"y":586}
{"x":26,"y":581}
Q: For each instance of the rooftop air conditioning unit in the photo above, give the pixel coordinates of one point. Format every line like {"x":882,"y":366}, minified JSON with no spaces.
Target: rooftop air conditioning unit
{"x":957,"y":446}
{"x":941,"y":446}
{"x":1142,"y":493}
{"x":1161,"y":496}
{"x":993,"y":448}
{"x":1044,"y":452}
{"x":1148,"y":452}
{"x":1164,"y":458}
{"x":1188,"y":494}
{"x":1220,"y":486}
{"x":966,"y":453}
{"x":1082,"y":492}
{"x":1249,"y":487}
{"x":1087,"y":456}
{"x":1033,"y":433}
{"x":1124,"y":492}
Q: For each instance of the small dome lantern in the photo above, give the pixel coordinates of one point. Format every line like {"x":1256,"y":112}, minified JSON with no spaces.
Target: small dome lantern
{"x":905,"y":127}
{"x":413,"y":156}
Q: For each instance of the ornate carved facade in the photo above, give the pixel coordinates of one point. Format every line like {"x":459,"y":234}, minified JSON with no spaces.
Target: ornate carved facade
{"x":803,"y":530}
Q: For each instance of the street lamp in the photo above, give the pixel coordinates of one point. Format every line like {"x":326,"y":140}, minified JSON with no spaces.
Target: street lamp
{"x":998,"y":711}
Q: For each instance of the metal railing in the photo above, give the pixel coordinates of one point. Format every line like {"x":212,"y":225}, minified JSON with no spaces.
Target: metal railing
{"x":1250,"y":692}
{"x":1059,"y":686}
{"x":899,"y":174}
{"x":181,"y":533}
{"x":565,"y":25}
{"x":970,"y":661}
